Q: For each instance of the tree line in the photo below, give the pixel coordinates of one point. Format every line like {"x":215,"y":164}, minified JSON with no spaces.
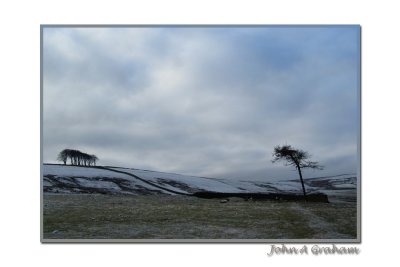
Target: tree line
{"x":77,"y":157}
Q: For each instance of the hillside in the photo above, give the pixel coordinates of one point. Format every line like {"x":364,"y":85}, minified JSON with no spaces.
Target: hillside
{"x":116,"y":180}
{"x":120,"y":203}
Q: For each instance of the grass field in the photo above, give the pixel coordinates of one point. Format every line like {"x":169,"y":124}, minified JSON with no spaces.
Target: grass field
{"x":85,"y":216}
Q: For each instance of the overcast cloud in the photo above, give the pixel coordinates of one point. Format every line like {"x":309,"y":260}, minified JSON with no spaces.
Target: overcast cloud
{"x":202,"y":101}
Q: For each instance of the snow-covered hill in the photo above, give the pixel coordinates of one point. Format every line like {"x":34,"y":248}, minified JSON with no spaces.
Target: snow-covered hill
{"x":115,"y":180}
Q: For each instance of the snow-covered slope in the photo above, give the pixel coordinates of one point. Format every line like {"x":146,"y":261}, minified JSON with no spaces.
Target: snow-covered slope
{"x":113,"y":180}
{"x":74,"y":179}
{"x":338,"y":182}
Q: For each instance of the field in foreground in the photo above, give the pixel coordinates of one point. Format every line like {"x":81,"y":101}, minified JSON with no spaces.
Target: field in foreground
{"x":91,"y":216}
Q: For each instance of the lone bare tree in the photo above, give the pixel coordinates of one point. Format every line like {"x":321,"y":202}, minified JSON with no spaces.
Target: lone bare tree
{"x":297,"y":158}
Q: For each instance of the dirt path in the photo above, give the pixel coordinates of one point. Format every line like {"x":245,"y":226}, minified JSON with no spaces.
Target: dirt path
{"x":317,"y":222}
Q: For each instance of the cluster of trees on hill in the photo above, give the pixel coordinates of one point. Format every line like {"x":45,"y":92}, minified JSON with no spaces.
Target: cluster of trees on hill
{"x":77,"y":157}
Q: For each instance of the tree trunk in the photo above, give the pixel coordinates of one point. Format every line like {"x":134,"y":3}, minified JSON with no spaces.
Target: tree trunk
{"x":302,"y":182}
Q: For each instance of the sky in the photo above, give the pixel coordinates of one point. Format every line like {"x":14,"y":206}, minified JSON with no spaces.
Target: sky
{"x":205,"y":101}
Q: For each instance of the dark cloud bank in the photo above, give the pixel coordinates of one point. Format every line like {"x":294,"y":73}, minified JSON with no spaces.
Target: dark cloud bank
{"x":203,"y":101}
